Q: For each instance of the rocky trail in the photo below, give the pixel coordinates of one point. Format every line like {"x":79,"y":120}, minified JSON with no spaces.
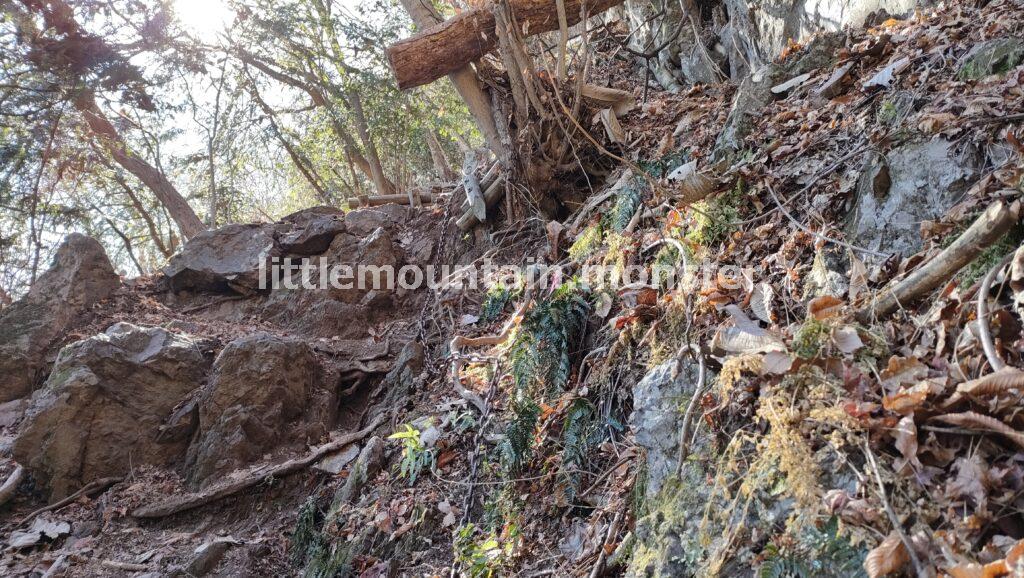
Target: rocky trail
{"x":832,"y":388}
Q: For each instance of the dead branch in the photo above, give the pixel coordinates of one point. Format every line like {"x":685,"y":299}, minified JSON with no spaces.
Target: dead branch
{"x":400,"y":199}
{"x":698,"y":391}
{"x":232,"y":486}
{"x":90,"y":488}
{"x":919,"y":569}
{"x":458,"y":360}
{"x":492,"y":195}
{"x":985,"y":230}
{"x":11,"y":485}
{"x":602,"y":555}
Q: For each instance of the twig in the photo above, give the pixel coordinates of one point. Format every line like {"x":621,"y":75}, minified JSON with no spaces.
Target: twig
{"x":233,"y":486}
{"x":984,"y":333}
{"x":124,"y":566}
{"x":613,"y":529}
{"x":684,"y":430}
{"x":893,"y":519}
{"x":90,"y":488}
{"x":56,"y":567}
{"x":807,"y":230}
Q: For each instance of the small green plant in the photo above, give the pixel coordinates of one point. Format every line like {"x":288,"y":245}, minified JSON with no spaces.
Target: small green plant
{"x":497,"y":298}
{"x":416,"y":456}
{"x":306,"y":539}
{"x":482,"y":559}
{"x":810,"y":339}
{"x":587,"y":243}
{"x":816,"y":552}
{"x":714,"y":218}
{"x":887,"y":113}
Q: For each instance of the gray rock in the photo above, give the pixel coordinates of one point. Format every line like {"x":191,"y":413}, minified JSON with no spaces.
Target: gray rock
{"x":99,"y":412}
{"x":335,"y":463}
{"x":659,"y":402}
{"x":367,"y":466}
{"x":912,"y":183}
{"x":207,"y":556}
{"x":263,"y":395}
{"x":829,"y":274}
{"x":310,"y":231}
{"x":30,"y":329}
{"x":223,"y":260}
{"x":996,"y":56}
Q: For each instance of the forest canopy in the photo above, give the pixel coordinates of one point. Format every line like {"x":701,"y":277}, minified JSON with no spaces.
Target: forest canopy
{"x":143,"y":123}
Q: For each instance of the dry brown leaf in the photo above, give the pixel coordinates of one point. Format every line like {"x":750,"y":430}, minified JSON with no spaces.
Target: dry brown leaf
{"x":1002,"y":381}
{"x":903,"y":370}
{"x":906,"y":443}
{"x":824,"y":307}
{"x":905,"y":401}
{"x":887,"y":558}
{"x":974,"y":570}
{"x":973,"y":420}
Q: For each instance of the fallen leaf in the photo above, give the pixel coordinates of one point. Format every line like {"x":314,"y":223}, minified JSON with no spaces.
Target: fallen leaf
{"x":847,"y":339}
{"x":761,"y":301}
{"x":888,"y":557}
{"x":824,"y":307}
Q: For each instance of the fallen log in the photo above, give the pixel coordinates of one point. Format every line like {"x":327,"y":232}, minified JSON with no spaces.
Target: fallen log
{"x":986,"y":229}
{"x":232,"y":486}
{"x":451,"y":45}
{"x":378,"y":200}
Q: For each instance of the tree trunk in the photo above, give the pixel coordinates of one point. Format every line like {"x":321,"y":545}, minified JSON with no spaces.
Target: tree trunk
{"x":450,"y":46}
{"x":441,"y":164}
{"x":464,"y":79}
{"x":165,"y":192}
{"x":381,"y":182}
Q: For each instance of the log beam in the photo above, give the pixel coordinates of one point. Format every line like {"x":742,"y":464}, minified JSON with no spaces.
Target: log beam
{"x":451,"y":45}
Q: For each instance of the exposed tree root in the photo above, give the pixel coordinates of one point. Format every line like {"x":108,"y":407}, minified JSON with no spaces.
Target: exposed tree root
{"x":183,"y":503}
{"x":90,"y":488}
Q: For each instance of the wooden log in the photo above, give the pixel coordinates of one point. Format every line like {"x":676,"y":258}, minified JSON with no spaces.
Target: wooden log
{"x":986,"y":229}
{"x":451,"y":45}
{"x":400,"y":199}
{"x":492,"y":195}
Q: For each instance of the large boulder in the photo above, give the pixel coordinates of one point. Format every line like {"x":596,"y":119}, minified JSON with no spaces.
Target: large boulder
{"x":310,"y":231}
{"x":99,"y":413}
{"x":913,"y":183}
{"x":223,"y":260}
{"x":30,"y":329}
{"x":264,"y":394}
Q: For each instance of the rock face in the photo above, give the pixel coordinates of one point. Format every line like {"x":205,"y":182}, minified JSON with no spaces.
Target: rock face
{"x":80,"y":276}
{"x":764,"y":28}
{"x":912,"y":183}
{"x":100,"y":411}
{"x":263,"y":392}
{"x":659,"y":402}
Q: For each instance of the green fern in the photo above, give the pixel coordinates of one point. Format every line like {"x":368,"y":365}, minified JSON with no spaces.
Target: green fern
{"x":541,"y":351}
{"x":581,"y":433}
{"x":818,"y":552}
{"x":541,"y":360}
{"x":498,"y":297}
{"x":626,"y":204}
{"x":519,"y":434}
